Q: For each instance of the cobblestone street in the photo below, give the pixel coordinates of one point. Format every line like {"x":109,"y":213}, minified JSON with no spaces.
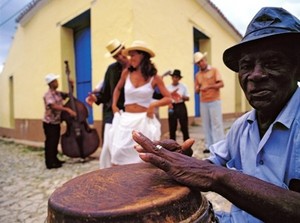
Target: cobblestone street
{"x":26,"y":184}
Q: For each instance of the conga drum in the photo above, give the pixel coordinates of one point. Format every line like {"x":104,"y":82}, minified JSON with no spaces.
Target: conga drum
{"x":127,"y":193}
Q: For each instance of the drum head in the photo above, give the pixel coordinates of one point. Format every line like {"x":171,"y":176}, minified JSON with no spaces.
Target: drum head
{"x":127,"y":193}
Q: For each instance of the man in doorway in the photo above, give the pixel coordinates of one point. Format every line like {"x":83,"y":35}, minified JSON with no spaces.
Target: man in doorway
{"x":208,"y":82}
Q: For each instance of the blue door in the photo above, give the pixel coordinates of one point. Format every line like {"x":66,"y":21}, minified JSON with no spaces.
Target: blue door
{"x":197,"y":35}
{"x":82,"y":41}
{"x":196,"y":69}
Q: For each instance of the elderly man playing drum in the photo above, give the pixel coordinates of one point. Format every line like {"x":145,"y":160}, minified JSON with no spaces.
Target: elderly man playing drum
{"x":257,"y":165}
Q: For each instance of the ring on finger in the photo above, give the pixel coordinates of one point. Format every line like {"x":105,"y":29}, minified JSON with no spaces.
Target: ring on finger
{"x":158,"y":147}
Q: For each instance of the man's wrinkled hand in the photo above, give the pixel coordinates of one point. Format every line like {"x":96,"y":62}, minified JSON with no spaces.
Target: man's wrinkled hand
{"x":172,"y":145}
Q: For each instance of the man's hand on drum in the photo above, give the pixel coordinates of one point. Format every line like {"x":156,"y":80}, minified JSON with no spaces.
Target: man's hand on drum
{"x":169,"y":156}
{"x":172,"y":145}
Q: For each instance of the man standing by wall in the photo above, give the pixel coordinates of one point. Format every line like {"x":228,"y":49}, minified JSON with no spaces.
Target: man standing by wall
{"x":53,"y":102}
{"x":177,"y":110}
{"x":111,"y":78}
{"x":208,"y":82}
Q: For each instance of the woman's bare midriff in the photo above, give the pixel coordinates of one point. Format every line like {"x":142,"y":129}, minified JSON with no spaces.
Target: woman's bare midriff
{"x":135,"y":108}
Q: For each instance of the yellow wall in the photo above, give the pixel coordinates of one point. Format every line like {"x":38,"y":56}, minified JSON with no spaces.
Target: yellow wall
{"x":171,"y":37}
{"x":109,"y":20}
{"x":42,"y":45}
{"x":168,"y":29}
{"x":36,"y":51}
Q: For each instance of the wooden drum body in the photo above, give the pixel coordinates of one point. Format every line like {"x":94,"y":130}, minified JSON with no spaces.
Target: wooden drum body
{"x":127,"y":193}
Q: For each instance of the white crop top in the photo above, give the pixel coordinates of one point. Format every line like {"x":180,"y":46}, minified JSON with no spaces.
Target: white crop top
{"x":141,"y":95}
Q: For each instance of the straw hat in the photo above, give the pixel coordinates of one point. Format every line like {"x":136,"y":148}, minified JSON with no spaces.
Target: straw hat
{"x":139,"y":45}
{"x":51,"y":77}
{"x":270,"y":23}
{"x":199,"y":56}
{"x":114,"y":47}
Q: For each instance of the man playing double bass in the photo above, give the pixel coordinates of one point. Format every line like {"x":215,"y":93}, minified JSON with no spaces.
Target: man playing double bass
{"x":53,"y":101}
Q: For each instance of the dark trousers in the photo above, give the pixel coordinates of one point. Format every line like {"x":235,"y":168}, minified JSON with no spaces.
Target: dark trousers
{"x":179,"y":113}
{"x":52,"y":134}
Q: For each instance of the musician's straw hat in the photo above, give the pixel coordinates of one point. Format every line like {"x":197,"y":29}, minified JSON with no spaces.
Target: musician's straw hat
{"x":114,"y":47}
{"x":139,"y":45}
{"x":199,"y":56}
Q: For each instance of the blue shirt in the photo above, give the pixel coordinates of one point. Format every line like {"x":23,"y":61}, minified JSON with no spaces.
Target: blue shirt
{"x":275,"y":158}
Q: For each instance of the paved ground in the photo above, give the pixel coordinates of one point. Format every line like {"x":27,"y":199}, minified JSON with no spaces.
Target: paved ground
{"x":26,"y":185}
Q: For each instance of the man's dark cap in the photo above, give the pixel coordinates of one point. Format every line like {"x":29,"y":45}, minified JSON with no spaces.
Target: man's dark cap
{"x":176,"y":73}
{"x":269,"y":23}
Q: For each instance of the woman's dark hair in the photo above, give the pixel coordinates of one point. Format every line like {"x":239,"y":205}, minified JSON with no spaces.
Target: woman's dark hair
{"x":147,"y":67}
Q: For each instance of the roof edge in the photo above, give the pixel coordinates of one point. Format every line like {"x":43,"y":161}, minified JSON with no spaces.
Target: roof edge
{"x":217,"y":14}
{"x":30,"y":9}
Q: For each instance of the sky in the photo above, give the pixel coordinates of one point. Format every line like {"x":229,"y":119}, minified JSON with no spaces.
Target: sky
{"x":238,"y":12}
{"x":241,"y":12}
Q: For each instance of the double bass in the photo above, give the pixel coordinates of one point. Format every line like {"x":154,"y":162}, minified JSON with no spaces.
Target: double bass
{"x":79,"y":139}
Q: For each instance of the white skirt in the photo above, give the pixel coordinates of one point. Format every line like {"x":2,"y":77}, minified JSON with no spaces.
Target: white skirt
{"x":105,"y":157}
{"x":121,"y":144}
